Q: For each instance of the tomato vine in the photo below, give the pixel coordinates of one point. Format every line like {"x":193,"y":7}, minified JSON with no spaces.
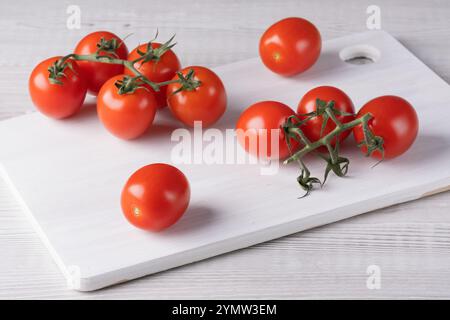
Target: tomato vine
{"x":335,"y":162}
{"x":106,"y":53}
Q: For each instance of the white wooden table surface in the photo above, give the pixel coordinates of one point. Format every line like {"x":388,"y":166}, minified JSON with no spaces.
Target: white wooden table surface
{"x":410,"y":243}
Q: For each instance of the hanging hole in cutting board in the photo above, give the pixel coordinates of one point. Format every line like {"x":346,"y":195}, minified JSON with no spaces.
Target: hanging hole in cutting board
{"x":360,"y":54}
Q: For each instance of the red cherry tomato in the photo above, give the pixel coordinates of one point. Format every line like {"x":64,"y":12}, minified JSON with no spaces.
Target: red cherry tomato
{"x":256,"y":125}
{"x":395,"y":120}
{"x":206,"y":103}
{"x":313,"y":127}
{"x":97,"y":73}
{"x":127,"y":115}
{"x":160,"y":70}
{"x":155,"y":197}
{"x":290,"y":46}
{"x":57,"y":100}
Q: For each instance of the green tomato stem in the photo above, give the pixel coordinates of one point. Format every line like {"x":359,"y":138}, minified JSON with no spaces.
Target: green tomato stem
{"x":94,"y":57}
{"x":325,"y":141}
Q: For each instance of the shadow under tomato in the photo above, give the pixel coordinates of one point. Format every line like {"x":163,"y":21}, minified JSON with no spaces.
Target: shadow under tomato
{"x":229,"y":118}
{"x":195,"y":218}
{"x":87,"y":111}
{"x":426,"y":148}
{"x":155,"y":132}
{"x":327,"y":61}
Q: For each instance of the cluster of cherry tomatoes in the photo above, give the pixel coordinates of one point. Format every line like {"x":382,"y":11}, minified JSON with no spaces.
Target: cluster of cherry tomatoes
{"x":98,"y":65}
{"x":393,"y":119}
{"x":131,"y":87}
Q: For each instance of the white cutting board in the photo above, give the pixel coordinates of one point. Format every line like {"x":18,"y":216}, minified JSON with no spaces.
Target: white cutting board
{"x":69,"y":174}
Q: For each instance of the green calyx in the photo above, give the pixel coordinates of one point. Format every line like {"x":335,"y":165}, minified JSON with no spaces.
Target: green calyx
{"x":371,"y":142}
{"x":188,"y":82}
{"x":154,"y":54}
{"x":336,"y":163}
{"x":57,"y":70}
{"x":108,"y":46}
{"x":129,"y":85}
{"x":305,"y":180}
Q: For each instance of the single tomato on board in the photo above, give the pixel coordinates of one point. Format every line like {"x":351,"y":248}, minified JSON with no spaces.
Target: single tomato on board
{"x":97,"y":73}
{"x":290,"y":46}
{"x":257,"y":125}
{"x":155,"y":197}
{"x":394,"y":120}
{"x":161,"y":68}
{"x":315,"y":129}
{"x":201,"y":98}
{"x":57,"y":100}
{"x":126,"y":115}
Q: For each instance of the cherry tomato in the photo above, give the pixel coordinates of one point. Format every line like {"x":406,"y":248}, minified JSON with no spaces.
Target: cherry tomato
{"x":160,"y":70}
{"x":206,"y":103}
{"x":128,"y":115}
{"x":155,"y":197}
{"x":290,"y":46}
{"x":257,"y":123}
{"x":57,"y":100}
{"x":313,"y":127}
{"x":97,"y":73}
{"x":394,"y":120}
